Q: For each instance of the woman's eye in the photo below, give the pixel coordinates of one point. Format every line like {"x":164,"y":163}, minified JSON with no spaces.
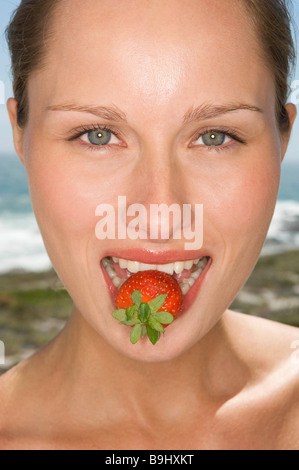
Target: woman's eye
{"x":100,"y":137}
{"x":214,"y":139}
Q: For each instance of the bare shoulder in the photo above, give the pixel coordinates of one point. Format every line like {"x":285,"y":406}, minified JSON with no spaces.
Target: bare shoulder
{"x":21,"y":395}
{"x":271,"y":351}
{"x":7,"y":381}
{"x":268,"y":340}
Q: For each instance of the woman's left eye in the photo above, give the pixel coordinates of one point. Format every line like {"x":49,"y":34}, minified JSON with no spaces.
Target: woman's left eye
{"x":99,"y":137}
{"x":213,"y":139}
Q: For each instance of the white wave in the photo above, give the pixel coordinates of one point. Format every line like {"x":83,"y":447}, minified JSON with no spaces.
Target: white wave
{"x":285,"y":224}
{"x":21,"y":245}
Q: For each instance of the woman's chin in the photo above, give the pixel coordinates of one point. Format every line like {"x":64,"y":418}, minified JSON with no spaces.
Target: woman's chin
{"x":171,"y":345}
{"x":188,"y":329}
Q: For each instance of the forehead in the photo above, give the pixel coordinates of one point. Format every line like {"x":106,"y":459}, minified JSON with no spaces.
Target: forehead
{"x":154,"y":52}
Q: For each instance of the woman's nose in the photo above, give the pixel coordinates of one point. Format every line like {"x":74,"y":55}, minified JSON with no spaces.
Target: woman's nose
{"x":158,"y":190}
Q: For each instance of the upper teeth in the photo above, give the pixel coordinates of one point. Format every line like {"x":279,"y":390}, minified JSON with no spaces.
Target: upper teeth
{"x":170,"y":268}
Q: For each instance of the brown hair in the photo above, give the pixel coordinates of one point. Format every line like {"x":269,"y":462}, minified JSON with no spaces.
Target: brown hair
{"x":26,"y":36}
{"x":30,"y":28}
{"x":273,"y":23}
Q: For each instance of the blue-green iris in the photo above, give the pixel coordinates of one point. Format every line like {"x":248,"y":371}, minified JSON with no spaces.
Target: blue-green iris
{"x":214,"y":138}
{"x":99,"y":137}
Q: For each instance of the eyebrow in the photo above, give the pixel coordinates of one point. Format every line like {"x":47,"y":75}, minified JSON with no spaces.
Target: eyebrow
{"x":200,"y":113}
{"x":111,"y":113}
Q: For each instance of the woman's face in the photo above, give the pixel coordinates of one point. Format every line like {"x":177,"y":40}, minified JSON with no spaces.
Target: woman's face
{"x":153,"y":62}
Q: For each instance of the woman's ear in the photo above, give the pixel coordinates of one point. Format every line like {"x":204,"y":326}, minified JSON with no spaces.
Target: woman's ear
{"x":292,"y":113}
{"x":12,"y":108}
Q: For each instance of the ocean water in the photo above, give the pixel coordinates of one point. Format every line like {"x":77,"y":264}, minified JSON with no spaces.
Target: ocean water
{"x":21,"y":245}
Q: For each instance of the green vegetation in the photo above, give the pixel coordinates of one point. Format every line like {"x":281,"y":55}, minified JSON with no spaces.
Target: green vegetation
{"x":34,"y":307}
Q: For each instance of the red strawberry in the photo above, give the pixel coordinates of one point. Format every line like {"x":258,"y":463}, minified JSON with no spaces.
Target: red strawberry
{"x":148,"y":301}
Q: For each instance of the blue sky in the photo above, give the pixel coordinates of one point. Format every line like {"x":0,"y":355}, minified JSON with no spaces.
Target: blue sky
{"x":6,"y":146}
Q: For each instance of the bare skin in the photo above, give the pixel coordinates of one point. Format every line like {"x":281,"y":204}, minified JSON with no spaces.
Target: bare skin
{"x":219,"y":379}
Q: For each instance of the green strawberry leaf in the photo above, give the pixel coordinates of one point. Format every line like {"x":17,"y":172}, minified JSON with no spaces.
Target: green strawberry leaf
{"x":144,"y":318}
{"x":157,"y":302}
{"x":131,"y":322}
{"x":136,"y":296}
{"x":163,"y":317}
{"x":120,"y":315}
{"x":131,"y":311}
{"x":143,"y":330}
{"x":153,"y":335}
{"x":136,"y":334}
{"x":155,"y":325}
{"x":143,"y":313}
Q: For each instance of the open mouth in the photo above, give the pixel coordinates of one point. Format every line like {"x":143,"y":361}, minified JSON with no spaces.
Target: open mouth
{"x":186,"y":273}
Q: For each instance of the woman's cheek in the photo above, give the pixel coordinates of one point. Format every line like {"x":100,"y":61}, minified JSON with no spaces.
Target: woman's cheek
{"x":63,"y":202}
{"x":245,"y":201}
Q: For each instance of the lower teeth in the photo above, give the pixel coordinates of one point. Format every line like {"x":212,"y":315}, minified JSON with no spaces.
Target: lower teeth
{"x":117,"y":281}
{"x":185,"y":285}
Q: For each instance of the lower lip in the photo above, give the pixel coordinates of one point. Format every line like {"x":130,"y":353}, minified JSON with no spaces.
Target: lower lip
{"x":188,"y":299}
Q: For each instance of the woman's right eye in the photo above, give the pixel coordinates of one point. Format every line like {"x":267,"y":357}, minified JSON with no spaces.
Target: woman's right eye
{"x":99,"y":137}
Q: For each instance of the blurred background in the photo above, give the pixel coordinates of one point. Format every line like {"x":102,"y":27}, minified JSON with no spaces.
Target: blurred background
{"x":33,"y":305}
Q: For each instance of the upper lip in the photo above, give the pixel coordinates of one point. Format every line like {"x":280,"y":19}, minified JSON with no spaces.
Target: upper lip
{"x":156,"y":257}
